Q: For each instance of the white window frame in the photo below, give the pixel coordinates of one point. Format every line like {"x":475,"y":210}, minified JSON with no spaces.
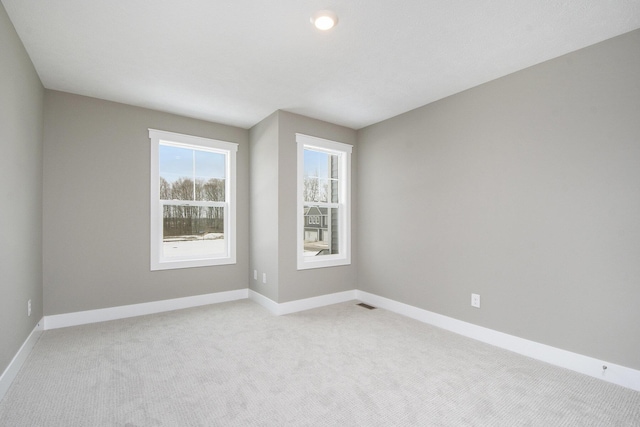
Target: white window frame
{"x":343,"y":151}
{"x":229,"y":149}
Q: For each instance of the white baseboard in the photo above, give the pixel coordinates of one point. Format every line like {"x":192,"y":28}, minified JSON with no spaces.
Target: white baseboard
{"x":133,"y":310}
{"x":14,"y":366}
{"x":267,"y":303}
{"x":616,"y":374}
{"x":301,"y":304}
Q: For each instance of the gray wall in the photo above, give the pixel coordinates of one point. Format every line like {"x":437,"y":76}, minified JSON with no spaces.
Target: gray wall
{"x":21,"y":104}
{"x":263,"y":246}
{"x":96,"y":207}
{"x":525,"y":190}
{"x":273,"y":210}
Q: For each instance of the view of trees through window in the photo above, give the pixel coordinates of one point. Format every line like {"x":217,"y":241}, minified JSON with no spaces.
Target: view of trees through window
{"x":192,"y":193}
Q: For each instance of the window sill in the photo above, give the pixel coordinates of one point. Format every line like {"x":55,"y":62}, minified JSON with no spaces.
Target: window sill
{"x":191,"y":263}
{"x":324,"y":263}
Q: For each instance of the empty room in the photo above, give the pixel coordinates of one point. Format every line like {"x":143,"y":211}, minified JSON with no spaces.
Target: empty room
{"x":337,"y":213}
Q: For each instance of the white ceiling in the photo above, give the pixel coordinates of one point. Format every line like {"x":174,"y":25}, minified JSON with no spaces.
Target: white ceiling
{"x":237,"y":61}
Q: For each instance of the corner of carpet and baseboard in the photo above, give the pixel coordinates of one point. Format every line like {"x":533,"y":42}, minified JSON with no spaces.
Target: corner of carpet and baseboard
{"x":18,"y":360}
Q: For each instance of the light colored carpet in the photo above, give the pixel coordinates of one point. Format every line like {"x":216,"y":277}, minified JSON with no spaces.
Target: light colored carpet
{"x":236,"y":364}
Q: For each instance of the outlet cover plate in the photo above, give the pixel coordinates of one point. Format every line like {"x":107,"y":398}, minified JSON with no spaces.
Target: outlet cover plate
{"x":475,"y":300}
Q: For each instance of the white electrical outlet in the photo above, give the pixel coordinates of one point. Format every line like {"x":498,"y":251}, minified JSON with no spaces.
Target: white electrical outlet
{"x":255,"y":274}
{"x":29,"y":308}
{"x":264,"y":277}
{"x":475,"y":300}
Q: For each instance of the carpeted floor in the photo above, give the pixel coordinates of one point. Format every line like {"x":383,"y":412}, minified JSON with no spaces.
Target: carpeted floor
{"x":343,"y":365}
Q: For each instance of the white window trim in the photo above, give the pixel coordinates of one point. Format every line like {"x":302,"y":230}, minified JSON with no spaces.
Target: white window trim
{"x":229,"y":149}
{"x":344,"y":152}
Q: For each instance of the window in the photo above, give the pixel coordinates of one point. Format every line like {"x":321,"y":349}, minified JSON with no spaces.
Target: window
{"x":324,"y":204}
{"x":193,"y":196}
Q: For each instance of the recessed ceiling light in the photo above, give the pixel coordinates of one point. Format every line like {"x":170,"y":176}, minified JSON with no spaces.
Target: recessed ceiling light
{"x":324,"y":19}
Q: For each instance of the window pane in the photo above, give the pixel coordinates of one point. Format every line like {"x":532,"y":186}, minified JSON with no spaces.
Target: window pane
{"x":316,"y":190}
{"x":182,"y":189}
{"x":211,"y":190}
{"x":320,"y":231}
{"x":192,"y":231}
{"x":209,"y":176}
{"x":190,"y":174}
{"x":320,"y":177}
{"x":176,"y":172}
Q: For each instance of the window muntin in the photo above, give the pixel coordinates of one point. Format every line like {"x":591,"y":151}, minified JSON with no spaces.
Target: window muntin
{"x":192,"y":201}
{"x":323,"y":202}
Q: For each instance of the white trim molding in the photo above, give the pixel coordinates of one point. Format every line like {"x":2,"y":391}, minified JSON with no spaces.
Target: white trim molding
{"x":193,"y":144}
{"x":342,"y":204}
{"x":302,"y":304}
{"x":133,"y":310}
{"x":18,"y":360}
{"x":267,"y":303}
{"x":616,"y":374}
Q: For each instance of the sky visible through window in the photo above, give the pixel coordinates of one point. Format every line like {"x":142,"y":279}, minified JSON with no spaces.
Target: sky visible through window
{"x":180,"y":162}
{"x":315,"y":164}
